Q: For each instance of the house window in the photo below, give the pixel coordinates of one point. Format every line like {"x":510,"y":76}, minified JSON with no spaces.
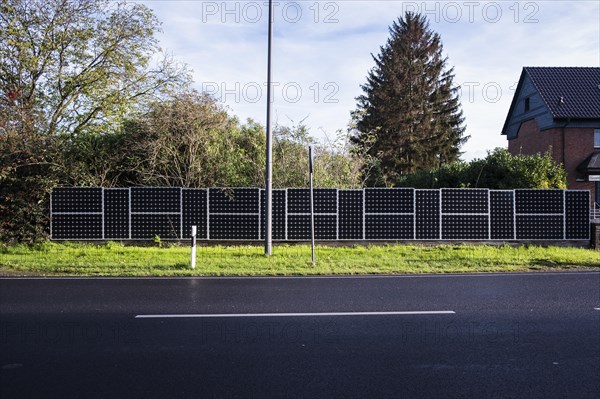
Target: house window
{"x":596,"y":138}
{"x":527,"y":104}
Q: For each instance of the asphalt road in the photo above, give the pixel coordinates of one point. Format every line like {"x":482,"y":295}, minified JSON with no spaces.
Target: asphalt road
{"x":511,"y":335}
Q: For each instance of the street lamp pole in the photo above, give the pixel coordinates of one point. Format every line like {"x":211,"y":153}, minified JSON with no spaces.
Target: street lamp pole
{"x":269,"y":160}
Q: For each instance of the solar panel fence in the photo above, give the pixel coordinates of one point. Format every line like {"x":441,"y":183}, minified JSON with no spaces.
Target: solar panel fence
{"x":238,"y":214}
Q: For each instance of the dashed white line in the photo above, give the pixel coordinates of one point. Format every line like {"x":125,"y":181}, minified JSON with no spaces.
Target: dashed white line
{"x":324,"y":314}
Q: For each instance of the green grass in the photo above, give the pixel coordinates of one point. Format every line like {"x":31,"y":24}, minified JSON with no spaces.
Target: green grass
{"x":115,"y":259}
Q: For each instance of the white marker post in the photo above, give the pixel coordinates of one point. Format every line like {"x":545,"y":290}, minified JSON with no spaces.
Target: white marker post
{"x":194,"y":231}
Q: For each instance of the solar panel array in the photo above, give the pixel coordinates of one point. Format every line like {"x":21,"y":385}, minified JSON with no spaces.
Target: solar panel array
{"x":428,"y":219}
{"x":141,"y":213}
{"x":502,"y":215}
{"x":77,"y":214}
{"x":389,"y":213}
{"x":465,"y":214}
{"x":233,"y":214}
{"x":350,"y":214}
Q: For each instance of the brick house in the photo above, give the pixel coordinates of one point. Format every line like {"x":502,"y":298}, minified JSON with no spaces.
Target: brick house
{"x":558,"y":109}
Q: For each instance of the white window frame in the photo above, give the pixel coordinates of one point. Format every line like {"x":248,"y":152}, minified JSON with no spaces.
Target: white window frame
{"x":596,"y":138}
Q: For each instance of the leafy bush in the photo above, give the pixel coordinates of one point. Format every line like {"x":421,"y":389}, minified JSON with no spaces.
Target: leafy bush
{"x":499,"y":170}
{"x":27,"y":175}
{"x":24,"y":199}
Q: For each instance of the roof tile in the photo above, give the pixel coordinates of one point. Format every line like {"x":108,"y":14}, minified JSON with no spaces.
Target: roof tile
{"x":569,"y":92}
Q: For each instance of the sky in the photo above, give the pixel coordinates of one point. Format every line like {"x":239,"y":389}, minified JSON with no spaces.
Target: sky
{"x":322,"y":53}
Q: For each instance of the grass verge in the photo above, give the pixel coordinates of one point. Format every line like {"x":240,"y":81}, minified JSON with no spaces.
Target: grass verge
{"x":115,"y":259}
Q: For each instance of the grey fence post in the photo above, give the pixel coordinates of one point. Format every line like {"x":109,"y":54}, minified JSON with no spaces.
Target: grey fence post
{"x":312,"y":209}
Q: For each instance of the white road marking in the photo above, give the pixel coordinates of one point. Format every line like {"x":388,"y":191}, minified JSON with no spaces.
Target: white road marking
{"x":12,"y":366}
{"x":596,"y":308}
{"x":327,"y":314}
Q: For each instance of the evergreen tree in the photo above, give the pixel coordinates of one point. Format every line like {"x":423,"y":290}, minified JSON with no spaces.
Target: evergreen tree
{"x":409,"y":116}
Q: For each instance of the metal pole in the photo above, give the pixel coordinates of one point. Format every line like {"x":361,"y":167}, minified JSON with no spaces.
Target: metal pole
{"x":312,"y":207}
{"x":269,"y":160}
{"x":194,"y":232}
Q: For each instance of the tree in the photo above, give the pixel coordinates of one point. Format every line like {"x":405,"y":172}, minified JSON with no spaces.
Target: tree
{"x":335,"y":164}
{"x":290,"y":155}
{"x":409,"y":116}
{"x":70,"y":72}
{"x":78,"y":65}
{"x":189,"y":141}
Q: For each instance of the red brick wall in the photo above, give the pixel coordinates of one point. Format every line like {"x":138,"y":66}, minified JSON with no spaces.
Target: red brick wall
{"x":531,"y":141}
{"x":579,"y":144}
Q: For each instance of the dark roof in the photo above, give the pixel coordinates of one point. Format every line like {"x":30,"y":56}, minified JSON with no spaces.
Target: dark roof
{"x":591,"y":164}
{"x":569,"y":92}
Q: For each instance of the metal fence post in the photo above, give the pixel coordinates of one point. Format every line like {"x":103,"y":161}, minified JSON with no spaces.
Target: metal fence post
{"x":312,"y":206}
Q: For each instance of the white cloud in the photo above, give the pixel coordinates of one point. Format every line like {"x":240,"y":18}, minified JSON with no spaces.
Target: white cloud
{"x":322,"y":52}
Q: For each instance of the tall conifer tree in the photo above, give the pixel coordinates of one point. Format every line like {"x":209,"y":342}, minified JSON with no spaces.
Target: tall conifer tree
{"x":409,"y":116}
